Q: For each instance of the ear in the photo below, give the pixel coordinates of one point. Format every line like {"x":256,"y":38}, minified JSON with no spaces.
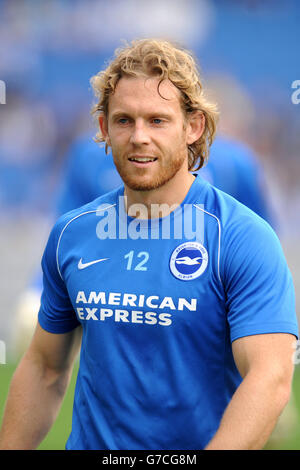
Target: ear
{"x":195,"y":127}
{"x":104,"y":128}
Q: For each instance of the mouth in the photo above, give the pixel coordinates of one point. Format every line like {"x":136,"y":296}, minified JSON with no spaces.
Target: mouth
{"x":142,"y":161}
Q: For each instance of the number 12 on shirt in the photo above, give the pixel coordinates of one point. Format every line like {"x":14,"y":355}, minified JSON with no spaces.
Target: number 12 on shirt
{"x":131,"y":263}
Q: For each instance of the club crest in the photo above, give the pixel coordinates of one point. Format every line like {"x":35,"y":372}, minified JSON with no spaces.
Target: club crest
{"x":188,"y":261}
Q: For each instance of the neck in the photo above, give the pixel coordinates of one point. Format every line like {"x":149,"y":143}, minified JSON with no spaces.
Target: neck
{"x":161,"y":201}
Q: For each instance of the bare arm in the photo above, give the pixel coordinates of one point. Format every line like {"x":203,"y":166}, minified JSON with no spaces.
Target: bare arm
{"x":37,"y":388}
{"x":265,"y":363}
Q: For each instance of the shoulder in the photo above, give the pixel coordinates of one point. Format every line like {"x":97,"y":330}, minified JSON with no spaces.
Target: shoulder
{"x":237,"y":222}
{"x":86,"y":211}
{"x":248,"y":244}
{"x":224,"y":206}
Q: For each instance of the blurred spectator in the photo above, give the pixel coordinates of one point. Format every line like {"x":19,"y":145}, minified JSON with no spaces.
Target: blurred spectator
{"x":27,"y":140}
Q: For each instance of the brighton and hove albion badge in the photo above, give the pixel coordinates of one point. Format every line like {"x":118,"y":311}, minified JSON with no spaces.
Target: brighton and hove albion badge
{"x":188,"y":261}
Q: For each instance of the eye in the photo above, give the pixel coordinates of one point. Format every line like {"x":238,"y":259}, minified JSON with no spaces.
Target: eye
{"x":157,"y":121}
{"x":123,"y":120}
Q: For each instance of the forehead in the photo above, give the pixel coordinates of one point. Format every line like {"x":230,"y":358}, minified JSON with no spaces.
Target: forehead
{"x":138,"y":92}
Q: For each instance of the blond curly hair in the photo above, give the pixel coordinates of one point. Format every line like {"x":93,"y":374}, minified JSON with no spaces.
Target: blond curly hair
{"x":163,"y":59}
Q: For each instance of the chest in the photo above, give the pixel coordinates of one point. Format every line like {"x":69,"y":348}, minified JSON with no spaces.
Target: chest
{"x":160,"y":283}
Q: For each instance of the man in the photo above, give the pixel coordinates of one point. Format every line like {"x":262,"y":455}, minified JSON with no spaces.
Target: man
{"x":182,"y":294}
{"x":89,"y":173}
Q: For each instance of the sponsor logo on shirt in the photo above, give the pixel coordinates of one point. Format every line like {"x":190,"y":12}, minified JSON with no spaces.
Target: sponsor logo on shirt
{"x":130,"y":308}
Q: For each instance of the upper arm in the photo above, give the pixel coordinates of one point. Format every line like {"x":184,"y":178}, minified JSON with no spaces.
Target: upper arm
{"x":260,"y":296}
{"x":55,"y":352}
{"x":56,"y":314}
{"x":266,"y":353}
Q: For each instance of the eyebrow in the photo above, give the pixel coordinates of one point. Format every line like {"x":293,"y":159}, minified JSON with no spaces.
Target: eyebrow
{"x":154,"y":114}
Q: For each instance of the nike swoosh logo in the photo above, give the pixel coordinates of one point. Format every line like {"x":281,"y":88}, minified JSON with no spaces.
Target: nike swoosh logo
{"x":82,"y":265}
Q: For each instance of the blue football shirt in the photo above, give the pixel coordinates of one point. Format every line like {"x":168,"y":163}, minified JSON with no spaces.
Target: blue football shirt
{"x":160,"y":302}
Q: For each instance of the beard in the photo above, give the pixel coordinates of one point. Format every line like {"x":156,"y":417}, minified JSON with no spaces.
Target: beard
{"x":141,"y":180}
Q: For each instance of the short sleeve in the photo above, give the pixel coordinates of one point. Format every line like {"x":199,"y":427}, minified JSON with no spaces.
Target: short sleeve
{"x":260,"y":295}
{"x":56,"y":313}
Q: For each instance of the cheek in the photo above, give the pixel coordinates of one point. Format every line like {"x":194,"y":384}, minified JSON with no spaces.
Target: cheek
{"x":171,"y":137}
{"x":178,"y":141}
{"x":118,"y":139}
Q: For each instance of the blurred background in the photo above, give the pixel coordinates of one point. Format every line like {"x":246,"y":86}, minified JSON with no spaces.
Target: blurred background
{"x":49,"y":49}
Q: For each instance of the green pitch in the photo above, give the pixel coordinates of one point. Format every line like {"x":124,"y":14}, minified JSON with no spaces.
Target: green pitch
{"x":289,"y":437}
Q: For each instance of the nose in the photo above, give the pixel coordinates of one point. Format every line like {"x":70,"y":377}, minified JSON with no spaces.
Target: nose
{"x":140,"y":134}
